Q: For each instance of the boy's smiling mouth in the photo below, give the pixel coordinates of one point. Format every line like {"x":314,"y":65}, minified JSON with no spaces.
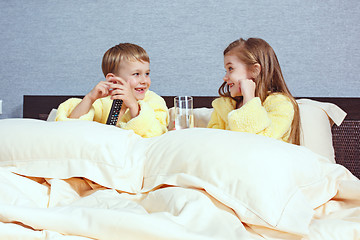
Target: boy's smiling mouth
{"x":140,"y":90}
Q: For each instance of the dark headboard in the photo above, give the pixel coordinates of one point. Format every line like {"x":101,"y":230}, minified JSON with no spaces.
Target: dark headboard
{"x":39,"y":106}
{"x":346,"y":137}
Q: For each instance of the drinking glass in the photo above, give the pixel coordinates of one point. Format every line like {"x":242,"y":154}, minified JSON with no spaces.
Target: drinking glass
{"x":184,"y":117}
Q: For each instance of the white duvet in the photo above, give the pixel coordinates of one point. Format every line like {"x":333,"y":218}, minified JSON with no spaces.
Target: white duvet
{"x":84,"y":180}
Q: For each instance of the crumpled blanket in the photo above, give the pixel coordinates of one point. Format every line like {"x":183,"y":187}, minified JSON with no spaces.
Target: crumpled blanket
{"x":83,"y":180}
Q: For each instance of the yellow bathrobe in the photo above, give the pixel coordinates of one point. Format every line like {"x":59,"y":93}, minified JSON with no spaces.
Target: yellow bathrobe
{"x":271,"y":118}
{"x":152,"y":120}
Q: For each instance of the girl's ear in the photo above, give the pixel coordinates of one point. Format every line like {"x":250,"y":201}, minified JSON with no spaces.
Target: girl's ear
{"x":109,"y":75}
{"x":255,"y":71}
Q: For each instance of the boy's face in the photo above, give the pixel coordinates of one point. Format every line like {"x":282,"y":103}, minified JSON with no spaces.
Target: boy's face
{"x":137,"y":74}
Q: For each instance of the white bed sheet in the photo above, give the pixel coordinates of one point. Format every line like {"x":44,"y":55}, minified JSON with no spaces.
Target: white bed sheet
{"x":178,"y":199}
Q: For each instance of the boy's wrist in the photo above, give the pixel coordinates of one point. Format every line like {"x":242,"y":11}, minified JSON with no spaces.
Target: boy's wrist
{"x":89,"y":99}
{"x":134,"y":110}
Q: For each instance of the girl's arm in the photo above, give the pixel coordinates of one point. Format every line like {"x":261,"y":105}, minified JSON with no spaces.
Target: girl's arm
{"x":221,"y":108}
{"x":216,"y":121}
{"x":273,"y":118}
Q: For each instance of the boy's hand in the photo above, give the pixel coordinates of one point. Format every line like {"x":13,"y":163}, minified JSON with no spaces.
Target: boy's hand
{"x":247,"y":88}
{"x":99,"y":91}
{"x":120,"y":89}
{"x":102,"y":89}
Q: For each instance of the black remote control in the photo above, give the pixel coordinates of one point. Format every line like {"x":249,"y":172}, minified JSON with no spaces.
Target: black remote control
{"x":114,"y":112}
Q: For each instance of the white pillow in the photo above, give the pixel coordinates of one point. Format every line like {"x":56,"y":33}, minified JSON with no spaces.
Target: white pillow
{"x":316,"y":122}
{"x":108,"y":155}
{"x":52,"y":115}
{"x":267,"y":182}
{"x":317,"y":119}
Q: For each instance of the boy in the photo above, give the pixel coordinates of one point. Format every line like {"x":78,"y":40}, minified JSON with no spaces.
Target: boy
{"x":126,"y":68}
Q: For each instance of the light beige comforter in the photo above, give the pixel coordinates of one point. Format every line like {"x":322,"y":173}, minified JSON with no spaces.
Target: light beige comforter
{"x":83,"y":180}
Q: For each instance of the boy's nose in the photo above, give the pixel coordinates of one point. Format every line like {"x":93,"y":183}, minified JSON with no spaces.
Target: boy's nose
{"x":144,"y":79}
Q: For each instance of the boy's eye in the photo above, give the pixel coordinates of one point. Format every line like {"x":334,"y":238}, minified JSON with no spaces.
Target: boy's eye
{"x":136,"y":74}
{"x":147,"y":74}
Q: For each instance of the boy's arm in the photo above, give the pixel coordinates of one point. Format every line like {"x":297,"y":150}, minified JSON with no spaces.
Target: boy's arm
{"x":152,"y":120}
{"x":99,"y":91}
{"x":82,"y":108}
{"x":96,"y":112}
{"x":66,"y":108}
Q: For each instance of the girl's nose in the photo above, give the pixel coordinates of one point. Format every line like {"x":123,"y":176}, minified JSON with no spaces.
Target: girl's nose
{"x":226,"y":77}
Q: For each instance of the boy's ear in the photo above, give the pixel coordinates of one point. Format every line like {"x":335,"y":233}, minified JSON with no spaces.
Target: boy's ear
{"x":256,"y":69}
{"x":109,"y":75}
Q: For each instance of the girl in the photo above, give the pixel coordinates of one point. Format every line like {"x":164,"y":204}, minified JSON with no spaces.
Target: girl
{"x":254,"y":96}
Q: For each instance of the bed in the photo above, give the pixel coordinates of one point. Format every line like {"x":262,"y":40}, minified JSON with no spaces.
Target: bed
{"x":85,"y":180}
{"x":345,"y":138}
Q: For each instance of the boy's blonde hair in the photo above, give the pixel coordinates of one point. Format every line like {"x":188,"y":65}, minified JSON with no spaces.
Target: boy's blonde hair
{"x":123,"y":51}
{"x":270,"y":79}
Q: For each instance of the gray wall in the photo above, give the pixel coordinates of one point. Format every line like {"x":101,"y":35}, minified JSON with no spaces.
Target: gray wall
{"x":55,"y":47}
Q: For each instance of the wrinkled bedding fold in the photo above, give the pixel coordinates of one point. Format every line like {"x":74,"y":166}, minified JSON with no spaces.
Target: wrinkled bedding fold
{"x":186,"y":184}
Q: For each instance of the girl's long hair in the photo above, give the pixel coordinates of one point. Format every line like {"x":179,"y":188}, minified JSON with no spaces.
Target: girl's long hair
{"x":270,"y":79}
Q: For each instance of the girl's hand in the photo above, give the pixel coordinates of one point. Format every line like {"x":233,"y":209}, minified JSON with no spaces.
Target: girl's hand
{"x":247,"y":88}
{"x":99,"y":91}
{"x":120,"y":89}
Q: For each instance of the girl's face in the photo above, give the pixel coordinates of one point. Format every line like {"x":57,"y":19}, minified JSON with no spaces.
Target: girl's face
{"x":235,"y":71}
{"x":137,"y":74}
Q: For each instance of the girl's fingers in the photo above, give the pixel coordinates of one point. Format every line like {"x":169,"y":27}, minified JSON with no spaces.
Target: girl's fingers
{"x":247,"y":81}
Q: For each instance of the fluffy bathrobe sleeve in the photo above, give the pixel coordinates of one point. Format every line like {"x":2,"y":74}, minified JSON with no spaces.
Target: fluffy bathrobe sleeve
{"x":152,"y":120}
{"x":271,"y":118}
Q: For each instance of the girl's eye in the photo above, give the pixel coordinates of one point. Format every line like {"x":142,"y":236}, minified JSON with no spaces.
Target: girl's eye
{"x":230,"y":69}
